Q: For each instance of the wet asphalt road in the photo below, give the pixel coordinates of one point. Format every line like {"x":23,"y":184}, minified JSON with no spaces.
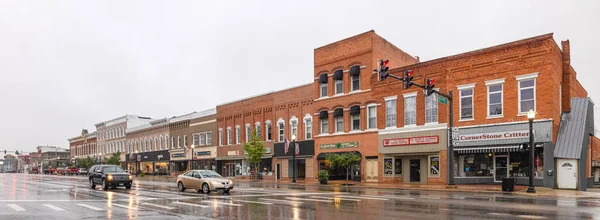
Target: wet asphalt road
{"x":56,"y":197}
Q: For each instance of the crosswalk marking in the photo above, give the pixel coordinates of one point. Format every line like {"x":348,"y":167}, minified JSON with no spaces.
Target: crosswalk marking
{"x":16,"y":207}
{"x":335,"y":198}
{"x":55,"y":208}
{"x":191,"y":204}
{"x":222,"y":203}
{"x":90,"y":207}
{"x":306,"y":199}
{"x":158,"y":206}
{"x":256,"y":202}
{"x":362,"y":197}
{"x":282,"y":201}
{"x":125,"y":207}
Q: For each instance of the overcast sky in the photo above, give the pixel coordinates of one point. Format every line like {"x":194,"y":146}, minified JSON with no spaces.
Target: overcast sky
{"x":66,"y":65}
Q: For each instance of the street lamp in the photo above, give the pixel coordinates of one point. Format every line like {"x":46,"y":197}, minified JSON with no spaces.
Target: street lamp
{"x":294,"y":158}
{"x":531,"y":116}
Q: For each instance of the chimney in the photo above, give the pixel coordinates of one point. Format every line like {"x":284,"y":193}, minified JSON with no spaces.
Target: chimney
{"x":418,"y":59}
{"x":566,"y":76}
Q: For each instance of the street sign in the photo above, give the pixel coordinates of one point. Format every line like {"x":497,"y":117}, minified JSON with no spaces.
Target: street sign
{"x":442,"y":99}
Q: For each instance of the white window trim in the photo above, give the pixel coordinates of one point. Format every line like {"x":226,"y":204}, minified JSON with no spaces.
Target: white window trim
{"x":229,"y":136}
{"x":238,"y":136}
{"x":367,"y":108}
{"x":531,"y":76}
{"x":267,"y":126}
{"x":351,"y":90}
{"x":294,"y":119}
{"x":352,"y":124}
{"x":321,"y":126}
{"x":321,"y":85}
{"x":494,"y":83}
{"x":466,"y":87}
{"x":336,"y":126}
{"x":410,"y":94}
{"x":280,"y":125}
{"x":395,"y":97}
{"x":438,"y":110}
{"x":336,"y":92}
{"x":220,"y":136}
{"x":246,"y":129}
{"x":306,"y":119}
{"x":390,"y":98}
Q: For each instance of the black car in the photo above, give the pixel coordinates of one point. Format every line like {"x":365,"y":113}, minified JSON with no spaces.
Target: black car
{"x":109,"y":176}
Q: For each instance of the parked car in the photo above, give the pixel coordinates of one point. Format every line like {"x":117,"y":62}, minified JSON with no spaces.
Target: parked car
{"x":109,"y":176}
{"x":61,"y":171}
{"x":72,"y":171}
{"x":83,"y":171}
{"x":204,"y":181}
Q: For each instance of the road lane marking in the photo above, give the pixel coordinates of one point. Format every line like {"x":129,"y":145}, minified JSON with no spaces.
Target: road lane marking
{"x":222,"y":203}
{"x":158,"y":206}
{"x":255,"y":202}
{"x":531,"y":216}
{"x":362,"y":197}
{"x":90,"y":207}
{"x":55,"y":208}
{"x":282,"y":201}
{"x":16,"y":207}
{"x":125,"y":207}
{"x":335,"y":198}
{"x":191,"y":204}
{"x":306,"y":199}
{"x":277,"y":194}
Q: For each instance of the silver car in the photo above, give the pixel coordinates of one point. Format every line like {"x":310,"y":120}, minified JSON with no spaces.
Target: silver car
{"x":204,"y":181}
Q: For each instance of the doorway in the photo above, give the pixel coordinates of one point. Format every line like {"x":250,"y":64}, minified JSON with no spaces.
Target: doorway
{"x":229,"y":169}
{"x":500,"y":167}
{"x":372,"y":170}
{"x":278,"y":171}
{"x":567,"y":174}
{"x":415,"y":170}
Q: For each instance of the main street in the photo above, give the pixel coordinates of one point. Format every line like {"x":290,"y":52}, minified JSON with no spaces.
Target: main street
{"x":25,"y":196}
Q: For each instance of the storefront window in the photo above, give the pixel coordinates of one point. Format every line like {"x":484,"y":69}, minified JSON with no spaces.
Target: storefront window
{"x":434,"y":165}
{"x":179,"y":166}
{"x":160,"y":168}
{"x":398,"y":166}
{"x":147,"y":167}
{"x":204,"y":165}
{"x":519,"y":163}
{"x":475,"y":165}
{"x":387,"y":166}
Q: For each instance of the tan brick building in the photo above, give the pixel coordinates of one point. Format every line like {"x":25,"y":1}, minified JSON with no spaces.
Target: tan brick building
{"x":147,"y":148}
{"x":192,"y":144}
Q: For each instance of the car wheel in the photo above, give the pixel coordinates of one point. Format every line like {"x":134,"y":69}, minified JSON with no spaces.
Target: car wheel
{"x":104,"y":184}
{"x":180,"y":186}
{"x":205,"y":188}
{"x":92,"y":185}
{"x":128,"y":186}
{"x":226,"y":191}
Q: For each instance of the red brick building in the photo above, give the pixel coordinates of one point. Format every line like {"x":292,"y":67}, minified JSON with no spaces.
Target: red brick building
{"x":275,"y":116}
{"x":83,"y":145}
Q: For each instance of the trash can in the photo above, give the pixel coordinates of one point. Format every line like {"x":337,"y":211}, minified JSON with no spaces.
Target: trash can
{"x":508,"y":184}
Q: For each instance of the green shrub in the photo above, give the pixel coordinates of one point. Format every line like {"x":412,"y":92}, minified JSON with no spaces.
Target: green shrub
{"x":323,"y":176}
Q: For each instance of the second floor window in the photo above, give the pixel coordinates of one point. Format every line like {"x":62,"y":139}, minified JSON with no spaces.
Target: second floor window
{"x":324,"y":121}
{"x":526,"y":95}
{"x":178,"y":141}
{"x":495,"y":100}
{"x":323,"y":85}
{"x":355,"y":117}
{"x":268,"y":131}
{"x":308,"y":128}
{"x":173,"y":143}
{"x":390,"y":113}
{"x":229,"y":136}
{"x":257,"y":129}
{"x":410,"y":110}
{"x":372,"y":117}
{"x":238,"y":136}
{"x":281,"y":131}
{"x":338,"y":77}
{"x":185,"y":144}
{"x":355,"y":78}
{"x":248,"y":133}
{"x":294,"y":128}
{"x":431,"y":108}
{"x":338,"y":115}
{"x":202,"y":139}
{"x":466,"y":103}
{"x":209,"y":138}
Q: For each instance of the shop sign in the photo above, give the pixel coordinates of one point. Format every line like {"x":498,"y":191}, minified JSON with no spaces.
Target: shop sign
{"x":202,"y":153}
{"x":339,"y":145}
{"x":160,"y":156}
{"x":139,"y":158}
{"x":494,"y":136}
{"x":233,"y":153}
{"x":174,"y":155}
{"x":411,"y":141}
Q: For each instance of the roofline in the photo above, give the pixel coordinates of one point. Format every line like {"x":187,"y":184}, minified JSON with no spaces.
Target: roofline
{"x":370,"y":31}
{"x":263,"y":94}
{"x":475,"y":52}
{"x":122,"y":117}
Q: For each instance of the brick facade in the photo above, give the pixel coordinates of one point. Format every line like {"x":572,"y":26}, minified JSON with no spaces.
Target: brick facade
{"x":83,"y":145}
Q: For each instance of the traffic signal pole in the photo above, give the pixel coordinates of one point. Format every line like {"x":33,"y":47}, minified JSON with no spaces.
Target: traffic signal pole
{"x":449,"y":133}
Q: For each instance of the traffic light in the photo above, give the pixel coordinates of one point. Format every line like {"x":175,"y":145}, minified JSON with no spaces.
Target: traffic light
{"x":429,"y":84}
{"x":408,"y":77}
{"x":383,"y":68}
{"x":16,"y":152}
{"x":4,"y":151}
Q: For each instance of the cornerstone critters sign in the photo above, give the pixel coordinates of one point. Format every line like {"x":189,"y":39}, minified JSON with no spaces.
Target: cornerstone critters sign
{"x":339,"y":145}
{"x":411,"y":141}
{"x":494,"y":136}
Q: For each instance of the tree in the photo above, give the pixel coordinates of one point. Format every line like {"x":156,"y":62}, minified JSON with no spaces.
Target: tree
{"x":115,"y":159}
{"x":344,"y":160}
{"x":85,"y":162}
{"x":255,"y":150}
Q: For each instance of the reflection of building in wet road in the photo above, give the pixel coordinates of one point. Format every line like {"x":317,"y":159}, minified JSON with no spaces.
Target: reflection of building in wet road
{"x":56,"y":197}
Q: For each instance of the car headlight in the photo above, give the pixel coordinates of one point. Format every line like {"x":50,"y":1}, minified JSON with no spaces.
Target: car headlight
{"x":214,"y":182}
{"x":130,"y":177}
{"x":109,"y":177}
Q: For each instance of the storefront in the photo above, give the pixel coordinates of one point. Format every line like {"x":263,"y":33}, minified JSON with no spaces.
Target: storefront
{"x":180,"y":160}
{"x":489,"y":153}
{"x":413,"y":157}
{"x":152,"y":163}
{"x":339,"y":173}
{"x":232,"y":162}
{"x":204,"y":158}
{"x":284,"y":163}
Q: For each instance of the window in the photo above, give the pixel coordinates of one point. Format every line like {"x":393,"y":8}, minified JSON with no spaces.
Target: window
{"x":495,"y":100}
{"x":479,"y":164}
{"x":339,"y":86}
{"x":372,"y":116}
{"x":196,"y":140}
{"x":257,"y":129}
{"x":294,"y":127}
{"x":185,"y":141}
{"x":202,"y":139}
{"x":172,"y":142}
{"x":268,"y":131}
{"x":220,"y":137}
{"x":356,"y":122}
{"x":229,"y":136}
{"x":466,"y":103}
{"x":247,"y":132}
{"x":150,"y":145}
{"x":308,"y":128}
{"x":390,"y":112}
{"x":431,"y":108}
{"x":526,"y":95}
{"x":339,"y":123}
{"x":355,"y":82}
{"x":324,"y":121}
{"x":410,"y":110}
{"x":238,"y":136}
{"x":209,"y":138}
{"x":178,"y":141}
{"x":281,"y":130}
{"x":323,"y":89}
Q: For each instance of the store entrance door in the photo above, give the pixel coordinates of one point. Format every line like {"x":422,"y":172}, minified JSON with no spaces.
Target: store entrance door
{"x":500,"y":167}
{"x":229,"y":169}
{"x":415,"y":170}
{"x":372,"y":171}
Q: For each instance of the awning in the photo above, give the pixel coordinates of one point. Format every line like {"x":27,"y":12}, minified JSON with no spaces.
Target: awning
{"x":323,"y":78}
{"x":338,"y":112}
{"x":355,"y":70}
{"x":354,"y":110}
{"x":490,"y":149}
{"x":322,"y":156}
{"x":338,"y":75}
{"x":323,"y":114}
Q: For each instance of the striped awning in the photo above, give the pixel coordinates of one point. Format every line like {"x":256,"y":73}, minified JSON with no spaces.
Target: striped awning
{"x":489,"y":149}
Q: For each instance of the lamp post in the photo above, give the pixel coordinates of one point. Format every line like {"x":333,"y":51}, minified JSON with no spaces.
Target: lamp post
{"x":531,"y":116}
{"x":294,"y":158}
{"x":137,"y":164}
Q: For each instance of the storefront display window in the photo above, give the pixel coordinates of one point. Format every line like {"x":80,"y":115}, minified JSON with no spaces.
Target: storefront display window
{"x":387,"y":166}
{"x":475,"y":165}
{"x":204,"y":165}
{"x":160,"y":168}
{"x":179,"y":166}
{"x":398,"y":166}
{"x":147,"y":168}
{"x":434,"y":165}
{"x":519,"y":163}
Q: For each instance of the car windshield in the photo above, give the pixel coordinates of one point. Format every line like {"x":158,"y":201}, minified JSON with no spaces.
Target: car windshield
{"x":114,"y":169}
{"x":210,"y":174}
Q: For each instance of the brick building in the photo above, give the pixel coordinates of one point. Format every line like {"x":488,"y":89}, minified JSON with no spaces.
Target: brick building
{"x":275,"y":116}
{"x":146,"y":149}
{"x":192,"y":145}
{"x":111,"y":134}
{"x":83,"y":145}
